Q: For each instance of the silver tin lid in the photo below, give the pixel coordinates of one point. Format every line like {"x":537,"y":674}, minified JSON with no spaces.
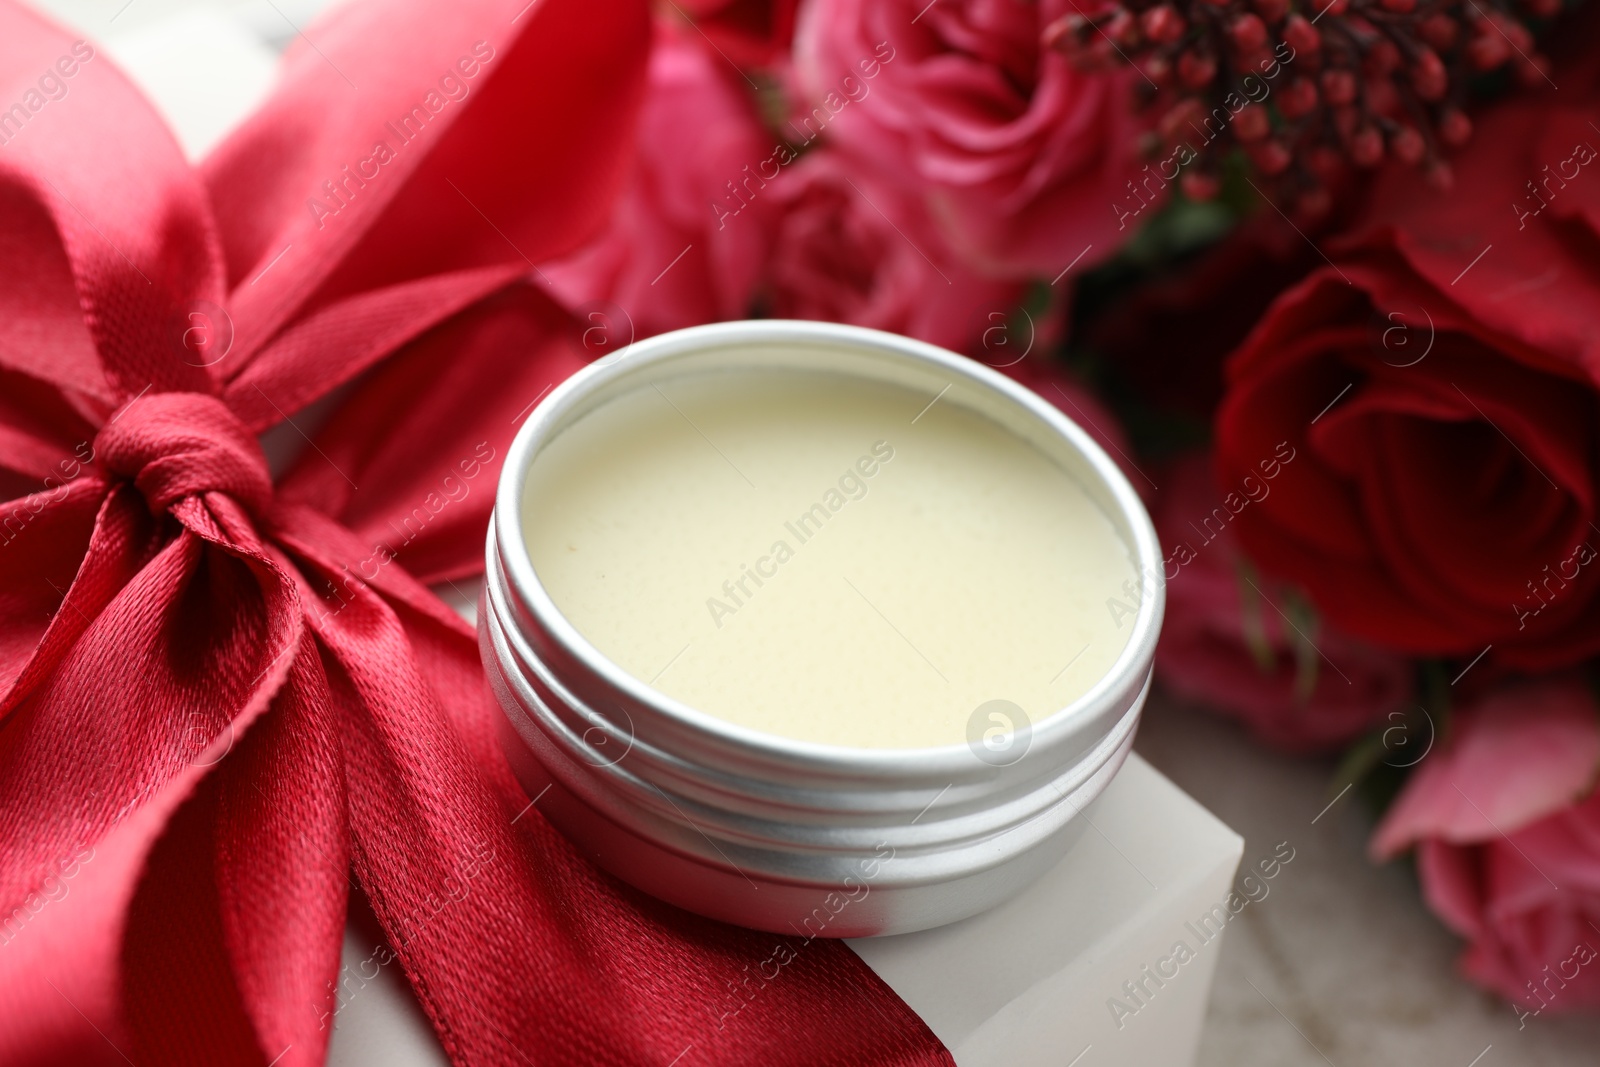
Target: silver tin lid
{"x":761,"y":830}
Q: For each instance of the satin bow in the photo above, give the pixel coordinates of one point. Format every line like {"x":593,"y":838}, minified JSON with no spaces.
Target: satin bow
{"x":226,"y":699}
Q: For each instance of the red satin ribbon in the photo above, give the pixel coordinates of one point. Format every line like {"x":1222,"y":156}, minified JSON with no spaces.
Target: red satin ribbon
{"x":226,"y":701}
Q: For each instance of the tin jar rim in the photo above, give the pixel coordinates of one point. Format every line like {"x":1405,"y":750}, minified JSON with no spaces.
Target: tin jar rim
{"x":631,"y":368}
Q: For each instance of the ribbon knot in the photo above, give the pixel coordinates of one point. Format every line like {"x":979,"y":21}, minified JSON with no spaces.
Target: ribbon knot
{"x":175,"y":445}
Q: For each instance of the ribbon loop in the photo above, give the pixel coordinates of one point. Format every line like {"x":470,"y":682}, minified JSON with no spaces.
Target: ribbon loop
{"x":175,"y":445}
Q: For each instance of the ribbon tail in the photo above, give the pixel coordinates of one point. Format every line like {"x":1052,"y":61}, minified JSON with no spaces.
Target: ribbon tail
{"x":239,"y":914}
{"x":171,"y":643}
{"x":478,"y":914}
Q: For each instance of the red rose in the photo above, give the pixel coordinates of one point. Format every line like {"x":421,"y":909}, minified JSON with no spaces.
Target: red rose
{"x":1507,"y":828}
{"x":852,"y":248}
{"x":1022,"y":159}
{"x":1440,"y":382}
{"x":672,"y":256}
{"x":1235,"y":641}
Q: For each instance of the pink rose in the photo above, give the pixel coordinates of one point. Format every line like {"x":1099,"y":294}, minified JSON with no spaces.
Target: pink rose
{"x":1507,"y":828}
{"x":668,"y":257}
{"x":1020,"y":156}
{"x":1228,"y":641}
{"x":851,"y":248}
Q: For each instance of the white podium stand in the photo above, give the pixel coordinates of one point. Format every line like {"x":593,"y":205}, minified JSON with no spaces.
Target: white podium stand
{"x":1029,"y":984}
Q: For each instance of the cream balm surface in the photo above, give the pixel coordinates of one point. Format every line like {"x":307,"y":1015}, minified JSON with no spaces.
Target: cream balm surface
{"x":826,"y":558}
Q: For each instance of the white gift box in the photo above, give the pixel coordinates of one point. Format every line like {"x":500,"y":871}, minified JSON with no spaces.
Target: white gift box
{"x":1083,"y":968}
{"x":1105,"y":961}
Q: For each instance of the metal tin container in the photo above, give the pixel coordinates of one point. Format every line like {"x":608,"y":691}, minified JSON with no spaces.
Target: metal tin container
{"x":764,"y":831}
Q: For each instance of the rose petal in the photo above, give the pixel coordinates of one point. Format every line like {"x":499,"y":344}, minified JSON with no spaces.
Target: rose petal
{"x":1520,"y":754}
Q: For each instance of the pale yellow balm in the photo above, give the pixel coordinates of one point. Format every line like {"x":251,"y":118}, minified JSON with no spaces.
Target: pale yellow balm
{"x":825,"y":558}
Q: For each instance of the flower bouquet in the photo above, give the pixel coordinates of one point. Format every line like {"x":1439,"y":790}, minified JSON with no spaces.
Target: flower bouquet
{"x":1320,"y":276}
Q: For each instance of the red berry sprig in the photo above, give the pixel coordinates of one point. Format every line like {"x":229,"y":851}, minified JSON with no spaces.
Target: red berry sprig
{"x":1308,"y":89}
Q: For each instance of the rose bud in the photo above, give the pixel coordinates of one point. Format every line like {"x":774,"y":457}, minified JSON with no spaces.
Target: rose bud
{"x":1314,"y":203}
{"x":1520,"y":36}
{"x":1183,"y":114}
{"x":1299,"y":98}
{"x":1488,"y":50}
{"x":1251,"y":124}
{"x":1064,"y":33}
{"x":1199,"y":187}
{"x":1428,"y":76}
{"x":1325,"y":162}
{"x":1441,"y":31}
{"x":1248,"y":33}
{"x":1383,"y":57}
{"x":1346,"y":119}
{"x":1407,"y":145}
{"x":1455,"y":129}
{"x":1270,"y":157}
{"x":1302,"y":36}
{"x":1123,"y":28}
{"x":1382,"y":97}
{"x":1338,"y":86}
{"x":1162,"y":24}
{"x":1261,"y":59}
{"x":1196,"y":70}
{"x":1533,"y":72}
{"x":1366,"y":147}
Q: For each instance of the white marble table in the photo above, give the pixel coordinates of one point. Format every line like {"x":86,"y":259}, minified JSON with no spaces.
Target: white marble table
{"x":1341,"y":964}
